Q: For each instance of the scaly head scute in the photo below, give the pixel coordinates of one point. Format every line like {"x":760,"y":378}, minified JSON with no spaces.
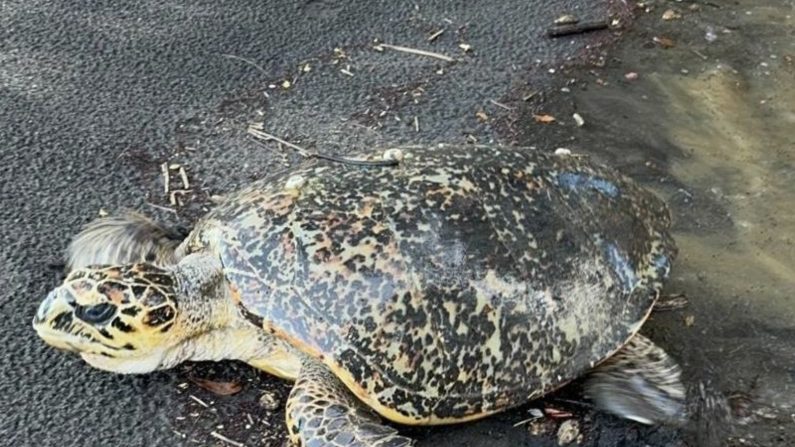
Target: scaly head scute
{"x":120,"y":318}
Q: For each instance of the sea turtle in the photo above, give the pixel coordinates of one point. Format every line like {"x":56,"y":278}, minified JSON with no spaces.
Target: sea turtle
{"x":456,"y":284}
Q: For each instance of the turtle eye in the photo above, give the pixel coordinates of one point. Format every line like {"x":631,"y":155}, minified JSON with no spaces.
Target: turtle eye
{"x":96,"y":314}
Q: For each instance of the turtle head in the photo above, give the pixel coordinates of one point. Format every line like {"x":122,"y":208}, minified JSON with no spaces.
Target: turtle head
{"x":118,"y":318}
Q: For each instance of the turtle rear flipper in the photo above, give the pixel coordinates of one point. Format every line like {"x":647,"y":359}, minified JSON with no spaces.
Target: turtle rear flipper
{"x":124,"y":239}
{"x":640,"y":382}
{"x":322,"y":412}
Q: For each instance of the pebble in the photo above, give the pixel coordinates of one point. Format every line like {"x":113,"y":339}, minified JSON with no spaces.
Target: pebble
{"x":269,"y":401}
{"x":294,"y":182}
{"x":393,"y":154}
{"x":569,"y":432}
{"x":670,"y":14}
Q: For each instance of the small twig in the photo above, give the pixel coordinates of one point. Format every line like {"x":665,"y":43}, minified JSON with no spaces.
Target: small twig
{"x":418,"y":52}
{"x":577,"y":28}
{"x":524,"y":421}
{"x":184,"y":176}
{"x":166,"y":177}
{"x":433,"y":36}
{"x":500,"y":105}
{"x":162,"y":208}
{"x":217,"y":435}
{"x":416,"y":124}
{"x":699,"y":54}
{"x":250,"y":419}
{"x":201,"y":402}
{"x":172,"y":198}
{"x":248,"y":61}
{"x":264,"y":136}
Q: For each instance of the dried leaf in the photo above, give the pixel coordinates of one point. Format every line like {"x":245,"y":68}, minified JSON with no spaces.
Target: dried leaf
{"x":482,"y":117}
{"x":663,"y":41}
{"x":554,"y":413}
{"x":220,"y":388}
{"x":544,"y":119}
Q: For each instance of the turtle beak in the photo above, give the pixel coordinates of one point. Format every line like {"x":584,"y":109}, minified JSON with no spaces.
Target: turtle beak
{"x":44,"y":308}
{"x":55,"y":317}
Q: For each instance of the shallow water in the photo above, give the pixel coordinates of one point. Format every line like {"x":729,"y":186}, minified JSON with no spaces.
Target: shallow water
{"x":710,"y":125}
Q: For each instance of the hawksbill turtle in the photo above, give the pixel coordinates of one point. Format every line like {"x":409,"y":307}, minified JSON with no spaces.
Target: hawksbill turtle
{"x":458,"y":283}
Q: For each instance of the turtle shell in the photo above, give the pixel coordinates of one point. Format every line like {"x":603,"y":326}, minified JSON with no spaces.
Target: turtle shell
{"x":462,"y":281}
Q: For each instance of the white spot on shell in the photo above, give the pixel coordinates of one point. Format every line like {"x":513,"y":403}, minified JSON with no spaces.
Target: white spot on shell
{"x":393,"y":154}
{"x":295,"y":182}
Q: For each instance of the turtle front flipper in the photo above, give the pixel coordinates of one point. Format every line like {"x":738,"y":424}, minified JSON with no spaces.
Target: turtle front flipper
{"x":321,"y":411}
{"x":124,"y":239}
{"x":640,"y":382}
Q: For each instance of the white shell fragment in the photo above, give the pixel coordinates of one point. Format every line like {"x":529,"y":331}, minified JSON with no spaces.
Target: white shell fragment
{"x":294,"y":182}
{"x":393,"y":154}
{"x":578,"y":119}
{"x":562,"y":151}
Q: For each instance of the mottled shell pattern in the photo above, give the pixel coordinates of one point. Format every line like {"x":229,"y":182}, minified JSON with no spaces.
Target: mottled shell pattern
{"x":458,"y":283}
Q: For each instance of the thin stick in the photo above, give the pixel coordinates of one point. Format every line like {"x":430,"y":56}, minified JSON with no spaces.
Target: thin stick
{"x":201,"y":402}
{"x":225,"y":439}
{"x":501,"y":105}
{"x":162,"y":208}
{"x":418,"y":52}
{"x":184,"y":176}
{"x":433,"y":36}
{"x":264,"y":136}
{"x":699,"y":54}
{"x":416,"y":124}
{"x":243,"y":59}
{"x":524,"y":421}
{"x":172,"y":198}
{"x":577,"y":28}
{"x":164,"y":169}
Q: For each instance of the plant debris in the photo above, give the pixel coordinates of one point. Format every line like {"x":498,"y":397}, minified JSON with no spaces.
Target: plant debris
{"x":380,"y":47}
{"x":262,"y":137}
{"x":566,"y":19}
{"x":554,"y":413}
{"x":435,"y":35}
{"x":544,"y":118}
{"x":577,"y":28}
{"x":217,"y":435}
{"x":219,"y":388}
{"x":664,"y":42}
